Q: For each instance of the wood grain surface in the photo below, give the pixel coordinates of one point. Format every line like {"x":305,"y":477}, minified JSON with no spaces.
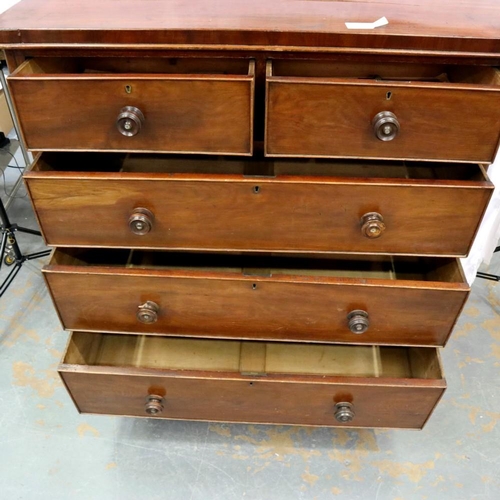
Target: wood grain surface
{"x":469,"y":26}
{"x":290,"y":213}
{"x":294,"y":304}
{"x":332,"y":117}
{"x":411,"y":301}
{"x":183,"y":113}
{"x":377,"y":402}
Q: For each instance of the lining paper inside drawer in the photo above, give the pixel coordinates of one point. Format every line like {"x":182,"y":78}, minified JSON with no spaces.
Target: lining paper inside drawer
{"x":251,"y":358}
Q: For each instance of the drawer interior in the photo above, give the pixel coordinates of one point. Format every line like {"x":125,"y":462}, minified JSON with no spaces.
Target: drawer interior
{"x":166,"y":164}
{"x":445,"y":270}
{"x":257,"y":358}
{"x":391,"y":72}
{"x":133,"y":65}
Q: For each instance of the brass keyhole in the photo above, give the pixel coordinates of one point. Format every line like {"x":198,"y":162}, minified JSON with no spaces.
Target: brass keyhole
{"x":128,"y":89}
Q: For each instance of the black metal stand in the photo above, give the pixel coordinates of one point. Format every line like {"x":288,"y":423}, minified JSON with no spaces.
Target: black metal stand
{"x":15,"y":256}
{"x":484,"y":276}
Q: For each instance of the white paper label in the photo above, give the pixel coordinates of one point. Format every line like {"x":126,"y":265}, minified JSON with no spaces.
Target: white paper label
{"x":367,"y":26}
{"x":7,"y":4}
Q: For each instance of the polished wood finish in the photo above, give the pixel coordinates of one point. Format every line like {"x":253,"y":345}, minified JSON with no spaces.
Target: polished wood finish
{"x":69,"y":105}
{"x":331,"y":116}
{"x":409,"y":301}
{"x":298,"y":384}
{"x":419,"y":25}
{"x":199,"y":77}
{"x":302,"y":206}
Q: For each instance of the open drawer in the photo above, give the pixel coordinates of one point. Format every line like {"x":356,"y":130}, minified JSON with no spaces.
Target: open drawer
{"x":355,"y":300}
{"x":136,"y":104}
{"x":227,"y":204}
{"x":406,"y":111}
{"x":252,"y":382}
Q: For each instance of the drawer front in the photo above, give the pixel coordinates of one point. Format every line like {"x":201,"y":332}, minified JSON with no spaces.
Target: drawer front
{"x":252,"y":381}
{"x":253,"y":400}
{"x":207,"y":303}
{"x":230,"y":212}
{"x":164,"y":113}
{"x":341,"y":118}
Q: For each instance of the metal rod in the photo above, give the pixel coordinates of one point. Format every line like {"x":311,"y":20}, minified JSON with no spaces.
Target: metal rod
{"x":14,"y":190}
{"x":2,"y":247}
{"x":4,"y":218}
{"x":27,"y":230}
{"x":10,"y":278}
{"x":37,"y":255}
{"x":487,"y":276}
{"x":17,"y":127}
{"x":7,"y":229}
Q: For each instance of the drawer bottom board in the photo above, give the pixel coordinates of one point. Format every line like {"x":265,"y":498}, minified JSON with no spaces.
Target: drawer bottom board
{"x":252,"y":382}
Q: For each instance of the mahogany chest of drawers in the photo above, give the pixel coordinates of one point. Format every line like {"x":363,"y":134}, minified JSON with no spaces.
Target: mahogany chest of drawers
{"x":256,"y":213}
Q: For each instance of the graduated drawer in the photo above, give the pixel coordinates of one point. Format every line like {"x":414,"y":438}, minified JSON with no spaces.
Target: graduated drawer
{"x":221,"y":204}
{"x":406,"y":111}
{"x":131,"y":104}
{"x":252,"y":382}
{"x":369,"y":300}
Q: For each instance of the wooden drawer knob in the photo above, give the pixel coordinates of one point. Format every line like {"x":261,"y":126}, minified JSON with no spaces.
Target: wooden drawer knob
{"x":372,"y":225}
{"x":129,"y":121}
{"x":344,"y":412}
{"x":154,"y":404}
{"x":148,"y":312}
{"x":141,"y":221}
{"x":358,"y":321}
{"x":385,"y":126}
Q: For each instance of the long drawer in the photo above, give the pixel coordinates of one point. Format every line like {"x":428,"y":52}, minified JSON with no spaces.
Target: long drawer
{"x":252,"y":382}
{"x":356,"y":300}
{"x":220,"y":204}
{"x":136,"y":104}
{"x":407,"y":111}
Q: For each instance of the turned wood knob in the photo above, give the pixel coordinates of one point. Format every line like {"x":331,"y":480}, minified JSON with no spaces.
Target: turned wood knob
{"x":148,"y":312}
{"x":358,"y":321}
{"x":129,"y":121}
{"x":344,"y":412}
{"x":141,"y":221}
{"x":385,"y":126}
{"x":372,"y":225}
{"x":154,"y":404}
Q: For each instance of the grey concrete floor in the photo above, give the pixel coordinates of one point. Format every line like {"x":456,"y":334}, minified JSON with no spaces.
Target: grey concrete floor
{"x":49,"y":451}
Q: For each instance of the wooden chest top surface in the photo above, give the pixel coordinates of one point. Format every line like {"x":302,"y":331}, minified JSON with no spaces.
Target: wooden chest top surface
{"x":438,"y":26}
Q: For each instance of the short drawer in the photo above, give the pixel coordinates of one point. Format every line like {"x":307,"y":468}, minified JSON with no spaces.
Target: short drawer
{"x":406,"y":111}
{"x":369,"y":300}
{"x":164,"y":105}
{"x":227,"y":204}
{"x":252,"y":382}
